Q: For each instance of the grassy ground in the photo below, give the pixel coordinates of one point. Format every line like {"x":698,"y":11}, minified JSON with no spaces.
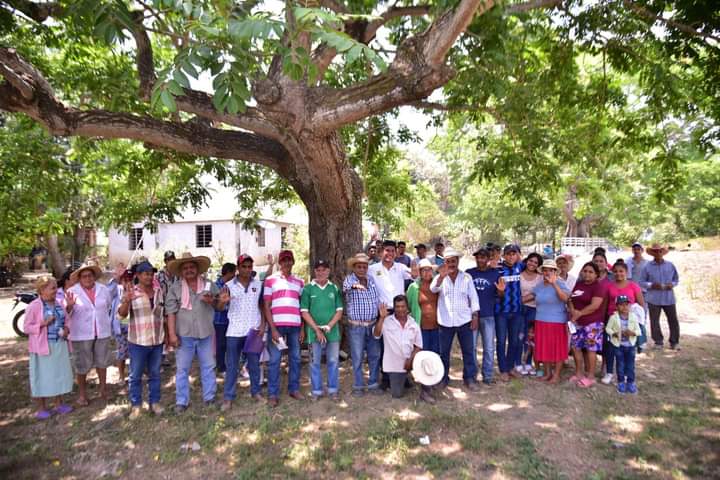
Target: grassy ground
{"x":524,"y":429}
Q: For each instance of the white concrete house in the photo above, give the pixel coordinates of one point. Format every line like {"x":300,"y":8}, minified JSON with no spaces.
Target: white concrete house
{"x":211,"y":231}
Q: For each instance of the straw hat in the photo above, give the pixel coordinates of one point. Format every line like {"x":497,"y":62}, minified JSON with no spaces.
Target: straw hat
{"x":427,"y":368}
{"x":86,"y":266}
{"x":357,"y":258}
{"x":451,"y":252}
{"x":656,"y":247}
{"x":203,"y":263}
{"x":548,"y":264}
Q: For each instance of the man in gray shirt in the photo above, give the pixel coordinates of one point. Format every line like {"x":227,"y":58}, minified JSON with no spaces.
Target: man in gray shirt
{"x":190,"y":305}
{"x":659,"y":278}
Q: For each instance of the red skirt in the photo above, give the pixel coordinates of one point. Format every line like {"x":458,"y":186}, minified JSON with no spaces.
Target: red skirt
{"x":551,"y":341}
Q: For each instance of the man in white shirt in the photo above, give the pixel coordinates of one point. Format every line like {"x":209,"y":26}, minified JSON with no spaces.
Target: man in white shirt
{"x":458,"y":314}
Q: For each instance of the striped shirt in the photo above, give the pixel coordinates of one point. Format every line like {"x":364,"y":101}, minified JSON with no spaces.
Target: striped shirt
{"x":282,"y":294}
{"x":361,"y":304}
{"x":511,"y":301}
{"x":145,"y":326}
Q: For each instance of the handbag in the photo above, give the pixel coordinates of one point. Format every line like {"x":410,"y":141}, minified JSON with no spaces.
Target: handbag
{"x":253,"y":342}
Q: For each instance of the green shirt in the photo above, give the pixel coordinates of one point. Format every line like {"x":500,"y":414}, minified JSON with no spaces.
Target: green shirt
{"x":413,"y":297}
{"x":322,"y":303}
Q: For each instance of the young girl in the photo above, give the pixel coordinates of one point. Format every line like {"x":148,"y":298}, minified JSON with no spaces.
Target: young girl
{"x":50,"y":370}
{"x":623,"y":329}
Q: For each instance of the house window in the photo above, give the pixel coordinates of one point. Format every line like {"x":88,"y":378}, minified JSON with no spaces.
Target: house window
{"x":283,"y":237}
{"x":135,"y":239}
{"x":203,"y":236}
{"x":260,"y":233}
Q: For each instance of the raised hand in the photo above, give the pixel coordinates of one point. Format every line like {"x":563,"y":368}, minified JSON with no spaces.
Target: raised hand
{"x":119,"y":271}
{"x":500,"y":285}
{"x":270,"y":259}
{"x":443,"y":270}
{"x":70,"y":299}
{"x":224,"y":296}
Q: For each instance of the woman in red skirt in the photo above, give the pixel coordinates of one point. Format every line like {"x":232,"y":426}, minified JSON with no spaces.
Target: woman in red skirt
{"x":551,"y":335}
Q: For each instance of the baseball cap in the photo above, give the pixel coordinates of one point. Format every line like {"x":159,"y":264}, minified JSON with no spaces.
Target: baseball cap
{"x":511,"y":248}
{"x":244,"y":258}
{"x":286,"y":254}
{"x":621,"y":299}
{"x":637,"y":244}
{"x":169,"y":255}
{"x":321,"y":263}
{"x":482,"y":251}
{"x":143,"y":267}
{"x":420,"y":245}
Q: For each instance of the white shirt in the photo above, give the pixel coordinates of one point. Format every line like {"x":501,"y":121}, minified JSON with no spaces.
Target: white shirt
{"x":89,"y":321}
{"x":456,"y":301}
{"x":399,"y":342}
{"x":244,"y":311}
{"x":389,"y":282}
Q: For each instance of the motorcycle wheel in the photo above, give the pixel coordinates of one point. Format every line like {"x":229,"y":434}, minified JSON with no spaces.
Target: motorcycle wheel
{"x":18,"y":323}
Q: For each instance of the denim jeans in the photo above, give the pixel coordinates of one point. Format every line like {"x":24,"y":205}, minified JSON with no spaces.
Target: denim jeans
{"x":220,"y":346}
{"x":487,"y":332}
{"x":292,"y":338}
{"x":141,"y":358}
{"x":465,"y":338}
{"x":235,"y":347}
{"x":397,"y":383}
{"x":625,"y":357}
{"x":528,"y":314}
{"x":431,"y":340}
{"x":509,"y":346}
{"x":361,"y":340}
{"x":608,"y":353}
{"x":189,"y":347}
{"x":332,"y":355}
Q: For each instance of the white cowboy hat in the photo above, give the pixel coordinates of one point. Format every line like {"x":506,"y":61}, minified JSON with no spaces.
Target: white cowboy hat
{"x":425,"y":263}
{"x":427,"y":368}
{"x":451,"y":252}
{"x":203,"y":263}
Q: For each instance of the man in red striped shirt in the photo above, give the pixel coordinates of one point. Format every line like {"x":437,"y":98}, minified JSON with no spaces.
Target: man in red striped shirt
{"x":282,"y":293}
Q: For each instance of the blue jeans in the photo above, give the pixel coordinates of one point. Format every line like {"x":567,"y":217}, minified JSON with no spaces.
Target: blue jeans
{"x":509,"y":347}
{"x":142,"y":357}
{"x":235,"y":347}
{"x":332,"y":355}
{"x":189,"y":347}
{"x":431,"y":340}
{"x":608,"y":353}
{"x":292,"y":338}
{"x":487,"y":332}
{"x":220,"y":346}
{"x":625,"y":357}
{"x":361,"y":340}
{"x":465,"y":337}
{"x":528,"y":314}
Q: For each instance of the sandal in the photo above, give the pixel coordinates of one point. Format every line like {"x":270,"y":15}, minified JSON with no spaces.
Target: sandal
{"x":575,"y":378}
{"x":62,"y":409}
{"x":82,"y":402}
{"x":43,"y":415}
{"x":586,"y":383}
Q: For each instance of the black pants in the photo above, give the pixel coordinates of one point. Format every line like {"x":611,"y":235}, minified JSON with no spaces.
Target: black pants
{"x":397,"y":383}
{"x":672,"y":319}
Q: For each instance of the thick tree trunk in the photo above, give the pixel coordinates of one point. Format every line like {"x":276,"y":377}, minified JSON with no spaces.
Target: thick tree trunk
{"x":56,"y":261}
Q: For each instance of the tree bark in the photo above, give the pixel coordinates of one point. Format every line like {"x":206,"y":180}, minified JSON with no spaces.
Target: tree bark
{"x":56,"y":261}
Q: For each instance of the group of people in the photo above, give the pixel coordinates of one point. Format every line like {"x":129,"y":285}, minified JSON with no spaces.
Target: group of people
{"x":398,"y":314}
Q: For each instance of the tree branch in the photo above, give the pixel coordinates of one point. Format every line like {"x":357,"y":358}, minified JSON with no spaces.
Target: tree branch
{"x":531,"y":5}
{"x":390,"y":14}
{"x":36,"y":11}
{"x":447,"y":28}
{"x":652,"y":17}
{"x":190,"y":137}
{"x":144,"y":56}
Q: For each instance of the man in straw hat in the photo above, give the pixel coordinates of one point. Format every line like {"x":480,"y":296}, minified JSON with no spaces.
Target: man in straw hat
{"x":659,"y":278}
{"x":458,"y":314}
{"x":402,"y":338}
{"x":362,"y":301}
{"x":190,"y":305}
{"x":88,"y":304}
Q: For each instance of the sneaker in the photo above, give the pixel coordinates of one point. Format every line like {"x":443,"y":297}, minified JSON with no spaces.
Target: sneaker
{"x":358,"y":393}
{"x":607,"y":379}
{"x":631,"y":388}
{"x":135,"y":413}
{"x":157,"y":409}
{"x":529,"y":370}
{"x":621,"y":388}
{"x":524,"y":370}
{"x":658,"y":346}
{"x":675,"y":347}
{"x":244,"y":373}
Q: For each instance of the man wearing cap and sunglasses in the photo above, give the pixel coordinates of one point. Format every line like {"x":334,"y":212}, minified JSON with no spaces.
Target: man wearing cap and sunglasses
{"x":321,"y":307}
{"x":282,"y":293}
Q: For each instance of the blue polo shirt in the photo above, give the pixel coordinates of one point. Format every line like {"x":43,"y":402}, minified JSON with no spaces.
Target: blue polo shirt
{"x":484,"y":283}
{"x":511,"y":301}
{"x":221,"y":318}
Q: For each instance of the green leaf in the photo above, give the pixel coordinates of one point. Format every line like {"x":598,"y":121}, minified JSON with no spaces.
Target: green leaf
{"x":175,"y":88}
{"x":168,"y":100}
{"x":181,"y":79}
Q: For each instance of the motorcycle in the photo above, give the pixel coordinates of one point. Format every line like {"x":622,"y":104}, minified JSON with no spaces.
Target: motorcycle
{"x":7,"y":277}
{"x":18,"y":319}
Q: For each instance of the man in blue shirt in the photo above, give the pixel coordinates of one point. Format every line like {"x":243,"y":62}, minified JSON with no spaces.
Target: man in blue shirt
{"x":636,"y":263}
{"x":220,"y":321}
{"x":659,"y":278}
{"x":485,"y":280}
{"x":508,"y":322}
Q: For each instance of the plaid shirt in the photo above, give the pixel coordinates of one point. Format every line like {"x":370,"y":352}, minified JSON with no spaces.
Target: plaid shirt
{"x":146,"y":320}
{"x":362,"y":305}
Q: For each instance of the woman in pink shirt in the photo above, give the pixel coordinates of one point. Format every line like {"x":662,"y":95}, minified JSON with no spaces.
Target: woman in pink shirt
{"x":623,"y":286}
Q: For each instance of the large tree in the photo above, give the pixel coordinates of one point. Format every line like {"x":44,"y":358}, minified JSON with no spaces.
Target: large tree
{"x":284,"y":85}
